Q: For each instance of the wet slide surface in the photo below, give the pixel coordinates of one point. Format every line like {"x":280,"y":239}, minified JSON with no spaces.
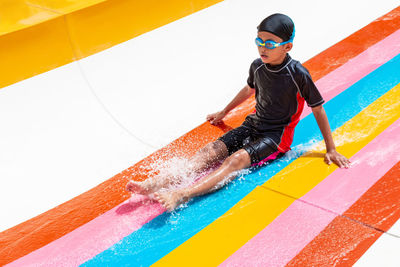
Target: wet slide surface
{"x":356,"y":209}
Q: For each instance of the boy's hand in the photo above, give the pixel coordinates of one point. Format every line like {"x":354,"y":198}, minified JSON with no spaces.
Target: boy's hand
{"x":216,"y":118}
{"x":338,"y":159}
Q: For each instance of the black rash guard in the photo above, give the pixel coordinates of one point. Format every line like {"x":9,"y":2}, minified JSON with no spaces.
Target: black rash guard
{"x":280,"y":94}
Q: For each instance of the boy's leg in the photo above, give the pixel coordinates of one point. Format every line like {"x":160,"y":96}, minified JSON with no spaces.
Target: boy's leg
{"x":254,"y":152}
{"x":208,"y":155}
{"x":225,"y":173}
{"x":204,"y":158}
{"x":211,"y":153}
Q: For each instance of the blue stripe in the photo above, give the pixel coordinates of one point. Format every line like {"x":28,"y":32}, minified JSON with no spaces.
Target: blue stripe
{"x":166,"y":232}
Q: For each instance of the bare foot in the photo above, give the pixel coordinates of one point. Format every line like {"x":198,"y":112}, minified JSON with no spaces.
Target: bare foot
{"x":170,"y":200}
{"x":141,"y":188}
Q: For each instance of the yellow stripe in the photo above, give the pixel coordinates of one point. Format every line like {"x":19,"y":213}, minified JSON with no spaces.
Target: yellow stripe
{"x":16,"y":15}
{"x":34,"y":50}
{"x":259,"y":208}
{"x":44,"y":34}
{"x":125,"y":20}
{"x":65,"y":6}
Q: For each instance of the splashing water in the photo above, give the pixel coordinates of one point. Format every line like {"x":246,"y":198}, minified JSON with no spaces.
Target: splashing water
{"x":171,"y":174}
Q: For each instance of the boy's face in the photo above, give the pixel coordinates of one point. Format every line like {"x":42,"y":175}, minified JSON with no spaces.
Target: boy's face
{"x":273,"y":56}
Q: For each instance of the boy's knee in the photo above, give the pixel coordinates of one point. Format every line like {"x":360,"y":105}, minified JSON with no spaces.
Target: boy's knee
{"x":217,"y":149}
{"x":239,"y":160}
{"x":220,"y":147}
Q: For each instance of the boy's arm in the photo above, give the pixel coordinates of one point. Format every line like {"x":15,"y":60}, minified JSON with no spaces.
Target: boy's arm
{"x":331,"y":154}
{"x":243,"y":94}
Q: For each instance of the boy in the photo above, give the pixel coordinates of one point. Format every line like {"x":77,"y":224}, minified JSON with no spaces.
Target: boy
{"x":281,"y":86}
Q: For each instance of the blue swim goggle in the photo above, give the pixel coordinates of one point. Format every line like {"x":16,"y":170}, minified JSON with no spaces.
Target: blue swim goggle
{"x":270,"y":44}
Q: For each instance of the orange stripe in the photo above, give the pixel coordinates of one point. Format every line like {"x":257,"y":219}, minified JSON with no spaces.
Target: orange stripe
{"x":359,"y":42}
{"x":344,"y":241}
{"x":51,"y":225}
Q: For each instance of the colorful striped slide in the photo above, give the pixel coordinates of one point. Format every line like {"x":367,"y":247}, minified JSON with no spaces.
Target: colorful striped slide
{"x":296,"y":211}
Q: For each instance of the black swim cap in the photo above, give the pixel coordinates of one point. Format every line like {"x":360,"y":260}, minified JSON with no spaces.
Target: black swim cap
{"x":278,"y":24}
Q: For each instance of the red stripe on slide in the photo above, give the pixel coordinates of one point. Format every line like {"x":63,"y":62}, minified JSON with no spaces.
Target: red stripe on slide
{"x":371,"y":34}
{"x":344,"y":240}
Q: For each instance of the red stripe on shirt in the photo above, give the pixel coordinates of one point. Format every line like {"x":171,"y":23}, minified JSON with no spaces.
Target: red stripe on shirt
{"x":288,"y":132}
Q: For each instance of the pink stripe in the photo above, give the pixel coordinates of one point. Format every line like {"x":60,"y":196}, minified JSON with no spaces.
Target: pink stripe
{"x":92,"y":238}
{"x":271,"y":157}
{"x":342,"y":78}
{"x":288,"y":234}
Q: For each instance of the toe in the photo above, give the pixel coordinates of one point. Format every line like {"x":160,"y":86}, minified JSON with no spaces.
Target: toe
{"x":169,"y":207}
{"x":159,"y":198}
{"x":128,"y":185}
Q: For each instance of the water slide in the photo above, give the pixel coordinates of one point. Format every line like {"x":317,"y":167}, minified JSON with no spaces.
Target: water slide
{"x":96,"y":93}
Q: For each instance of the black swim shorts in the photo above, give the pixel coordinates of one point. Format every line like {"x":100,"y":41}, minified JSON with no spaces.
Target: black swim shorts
{"x":260,"y":146}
